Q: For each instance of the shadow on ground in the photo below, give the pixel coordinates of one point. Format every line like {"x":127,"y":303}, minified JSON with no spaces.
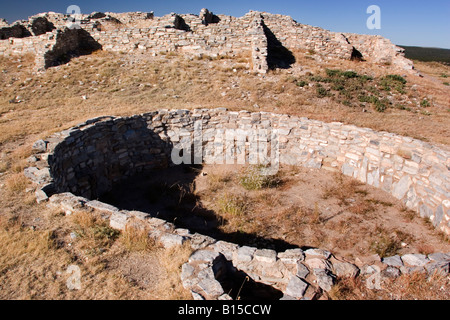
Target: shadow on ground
{"x":168,"y":194}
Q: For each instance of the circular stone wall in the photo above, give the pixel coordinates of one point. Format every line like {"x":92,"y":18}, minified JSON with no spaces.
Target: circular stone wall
{"x":88,"y":159}
{"x":76,"y":166}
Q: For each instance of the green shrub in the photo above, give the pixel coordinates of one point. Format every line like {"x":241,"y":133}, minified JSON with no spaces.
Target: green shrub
{"x":349,"y":74}
{"x":302,"y":83}
{"x":322,"y":92}
{"x":233,"y":205}
{"x":255,"y":179}
{"x":332,"y":73}
{"x":425,"y":103}
{"x":395,"y":77}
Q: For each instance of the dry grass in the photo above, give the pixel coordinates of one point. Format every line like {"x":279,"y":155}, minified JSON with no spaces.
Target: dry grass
{"x":137,"y":239}
{"x":170,"y":287}
{"x":416,"y":286}
{"x":37,"y":245}
{"x":16,"y":183}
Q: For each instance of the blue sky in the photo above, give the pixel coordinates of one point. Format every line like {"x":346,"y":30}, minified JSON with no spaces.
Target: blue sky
{"x":414,"y":22}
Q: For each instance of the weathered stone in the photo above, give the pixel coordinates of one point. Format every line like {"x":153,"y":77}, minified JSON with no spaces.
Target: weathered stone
{"x":199,"y":241}
{"x":345,"y":270}
{"x":369,"y":269}
{"x":265,"y":255}
{"x":225,"y":297}
{"x":226,"y":248}
{"x":439,"y":257}
{"x":410,"y":270}
{"x":245,"y":254}
{"x":197,"y":296}
{"x":394,"y":261}
{"x":204,"y":256}
{"x":41,"y":196}
{"x":296,"y":287}
{"x":316,"y":263}
{"x":211,"y":288}
{"x":286,"y":297}
{"x":187,"y":271}
{"x":291,"y":256}
{"x":441,"y":267}
{"x":302,"y":270}
{"x":39,"y":146}
{"x":391,"y":272}
{"x":415,"y":260}
{"x":100,"y":206}
{"x":401,"y":188}
{"x":118,"y":220}
{"x":170,"y":240}
{"x":325,"y":280}
{"x":323,"y":254}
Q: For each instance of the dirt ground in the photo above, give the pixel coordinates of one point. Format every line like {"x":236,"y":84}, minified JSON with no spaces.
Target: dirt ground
{"x":305,"y":208}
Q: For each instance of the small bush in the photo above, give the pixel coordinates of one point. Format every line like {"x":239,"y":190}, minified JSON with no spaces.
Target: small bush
{"x":332,"y":73}
{"x":233,"y":205}
{"x":302,"y":84}
{"x":386,"y":246}
{"x":16,"y":184}
{"x":380,"y":106}
{"x":136,"y":239}
{"x":322,"y":92}
{"x":425,"y":103}
{"x":349,"y":74}
{"x":254,"y":179}
{"x":395,"y":77}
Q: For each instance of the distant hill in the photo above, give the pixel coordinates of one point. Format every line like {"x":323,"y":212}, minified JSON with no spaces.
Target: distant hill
{"x":427,"y":54}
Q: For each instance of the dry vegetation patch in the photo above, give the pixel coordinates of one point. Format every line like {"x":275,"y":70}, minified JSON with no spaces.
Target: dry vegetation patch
{"x":38,"y":244}
{"x":311,"y":208}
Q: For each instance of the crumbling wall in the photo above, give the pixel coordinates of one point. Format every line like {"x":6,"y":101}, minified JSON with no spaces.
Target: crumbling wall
{"x":411,"y":170}
{"x":73,"y":167}
{"x":212,"y":35}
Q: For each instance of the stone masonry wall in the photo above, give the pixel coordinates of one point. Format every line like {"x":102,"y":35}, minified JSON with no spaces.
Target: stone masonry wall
{"x":229,"y":35}
{"x":72,"y":167}
{"x":89,"y":158}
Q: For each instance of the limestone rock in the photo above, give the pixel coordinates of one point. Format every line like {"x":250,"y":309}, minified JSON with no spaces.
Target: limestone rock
{"x":415,"y":260}
{"x":170,"y":240}
{"x":296,"y":287}
{"x":118,"y":220}
{"x":39,"y":146}
{"x":204,"y":256}
{"x":345,"y":269}
{"x":391,"y":272}
{"x":291,"y":256}
{"x":302,"y":270}
{"x":211,"y":288}
{"x":325,"y":280}
{"x":439,"y":267}
{"x":318,"y":264}
{"x":265,"y":255}
{"x":394,"y":261}
{"x":245,"y":254}
{"x":323,"y":254}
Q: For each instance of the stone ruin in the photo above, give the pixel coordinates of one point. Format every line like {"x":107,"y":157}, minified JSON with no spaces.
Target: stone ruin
{"x":269,"y":37}
{"x":71,"y":169}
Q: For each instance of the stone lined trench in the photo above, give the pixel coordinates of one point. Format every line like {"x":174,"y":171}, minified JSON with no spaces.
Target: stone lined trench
{"x":74,"y":168}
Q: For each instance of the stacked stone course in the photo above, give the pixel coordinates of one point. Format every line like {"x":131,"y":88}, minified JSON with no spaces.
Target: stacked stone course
{"x":81,"y":163}
{"x":225,"y":36}
{"x":88,"y":159}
